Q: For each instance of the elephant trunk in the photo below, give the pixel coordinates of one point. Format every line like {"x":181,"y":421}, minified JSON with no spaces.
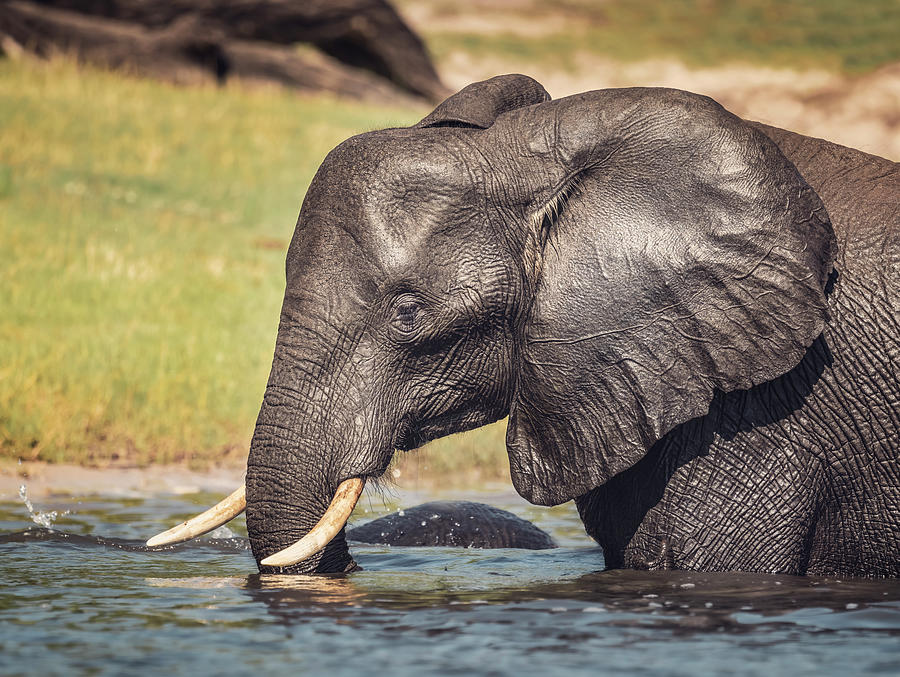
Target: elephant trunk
{"x":289,"y":489}
{"x":314,"y":446}
{"x":315,"y":431}
{"x":293,"y":473}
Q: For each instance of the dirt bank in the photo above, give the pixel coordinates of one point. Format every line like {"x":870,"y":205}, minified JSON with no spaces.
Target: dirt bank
{"x":861,"y":112}
{"x":44,"y":479}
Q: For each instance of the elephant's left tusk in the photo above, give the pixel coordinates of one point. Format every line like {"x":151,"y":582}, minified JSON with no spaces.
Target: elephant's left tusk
{"x":228,"y":508}
{"x":319,"y":536}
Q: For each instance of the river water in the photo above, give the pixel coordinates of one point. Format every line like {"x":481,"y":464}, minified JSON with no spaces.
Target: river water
{"x":80,"y":595}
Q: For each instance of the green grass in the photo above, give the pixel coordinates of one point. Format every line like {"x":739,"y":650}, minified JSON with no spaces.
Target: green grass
{"x":854,"y":37}
{"x":141,"y":260}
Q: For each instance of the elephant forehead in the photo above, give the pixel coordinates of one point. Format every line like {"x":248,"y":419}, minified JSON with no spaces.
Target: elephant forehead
{"x":402,"y":201}
{"x":410,"y":198}
{"x":403,"y":219}
{"x":395,"y":160}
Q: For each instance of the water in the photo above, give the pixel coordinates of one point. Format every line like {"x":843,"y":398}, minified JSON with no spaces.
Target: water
{"x":80,"y":595}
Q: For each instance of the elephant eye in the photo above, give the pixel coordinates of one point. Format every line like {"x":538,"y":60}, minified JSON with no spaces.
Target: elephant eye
{"x":406,"y":311}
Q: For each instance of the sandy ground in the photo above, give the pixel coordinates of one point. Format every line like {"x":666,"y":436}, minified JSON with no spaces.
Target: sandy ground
{"x":861,"y":112}
{"x":43,"y":480}
{"x":48,"y":480}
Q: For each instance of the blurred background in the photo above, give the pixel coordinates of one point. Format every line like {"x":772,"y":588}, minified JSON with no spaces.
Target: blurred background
{"x":153,"y":158}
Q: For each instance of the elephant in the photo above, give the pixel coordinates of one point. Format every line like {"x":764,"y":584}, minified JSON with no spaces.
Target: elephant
{"x":460,"y":524}
{"x":689,"y":319}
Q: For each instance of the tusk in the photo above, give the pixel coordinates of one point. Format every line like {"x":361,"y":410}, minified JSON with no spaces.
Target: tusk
{"x":228,"y":508}
{"x":332,"y":522}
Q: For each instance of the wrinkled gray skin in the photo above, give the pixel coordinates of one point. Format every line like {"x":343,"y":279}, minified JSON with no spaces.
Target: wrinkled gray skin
{"x":459,"y":524}
{"x":685,"y":339}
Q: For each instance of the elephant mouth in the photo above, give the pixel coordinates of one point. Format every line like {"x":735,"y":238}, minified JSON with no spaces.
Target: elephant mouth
{"x":330,"y":524}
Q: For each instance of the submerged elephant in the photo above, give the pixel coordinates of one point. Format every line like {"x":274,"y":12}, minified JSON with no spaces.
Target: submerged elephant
{"x":461,"y":524}
{"x":691,"y":321}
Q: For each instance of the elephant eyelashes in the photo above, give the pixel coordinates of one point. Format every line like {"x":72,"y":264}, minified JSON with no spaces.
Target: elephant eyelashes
{"x":546,"y":217}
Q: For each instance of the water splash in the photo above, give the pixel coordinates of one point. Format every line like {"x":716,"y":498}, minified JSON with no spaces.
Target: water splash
{"x":44,"y":519}
{"x":222,"y":532}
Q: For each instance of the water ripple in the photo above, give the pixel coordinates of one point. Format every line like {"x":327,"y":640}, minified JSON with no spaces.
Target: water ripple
{"x":84,"y":595}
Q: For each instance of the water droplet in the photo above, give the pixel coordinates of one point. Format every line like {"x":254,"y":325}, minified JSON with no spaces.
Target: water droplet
{"x":222,"y":532}
{"x":44,"y":519}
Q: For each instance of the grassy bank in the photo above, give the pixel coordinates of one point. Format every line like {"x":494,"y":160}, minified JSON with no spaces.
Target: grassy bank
{"x":853,"y":37}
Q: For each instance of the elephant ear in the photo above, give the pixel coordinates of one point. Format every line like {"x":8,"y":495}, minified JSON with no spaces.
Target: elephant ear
{"x":480,"y":103}
{"x":673,"y":252}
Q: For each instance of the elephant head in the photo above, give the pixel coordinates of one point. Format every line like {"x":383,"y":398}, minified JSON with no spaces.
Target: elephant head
{"x":593,"y":267}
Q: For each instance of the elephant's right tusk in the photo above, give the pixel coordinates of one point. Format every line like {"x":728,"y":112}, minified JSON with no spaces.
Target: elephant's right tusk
{"x":228,"y":508}
{"x":319,"y":536}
